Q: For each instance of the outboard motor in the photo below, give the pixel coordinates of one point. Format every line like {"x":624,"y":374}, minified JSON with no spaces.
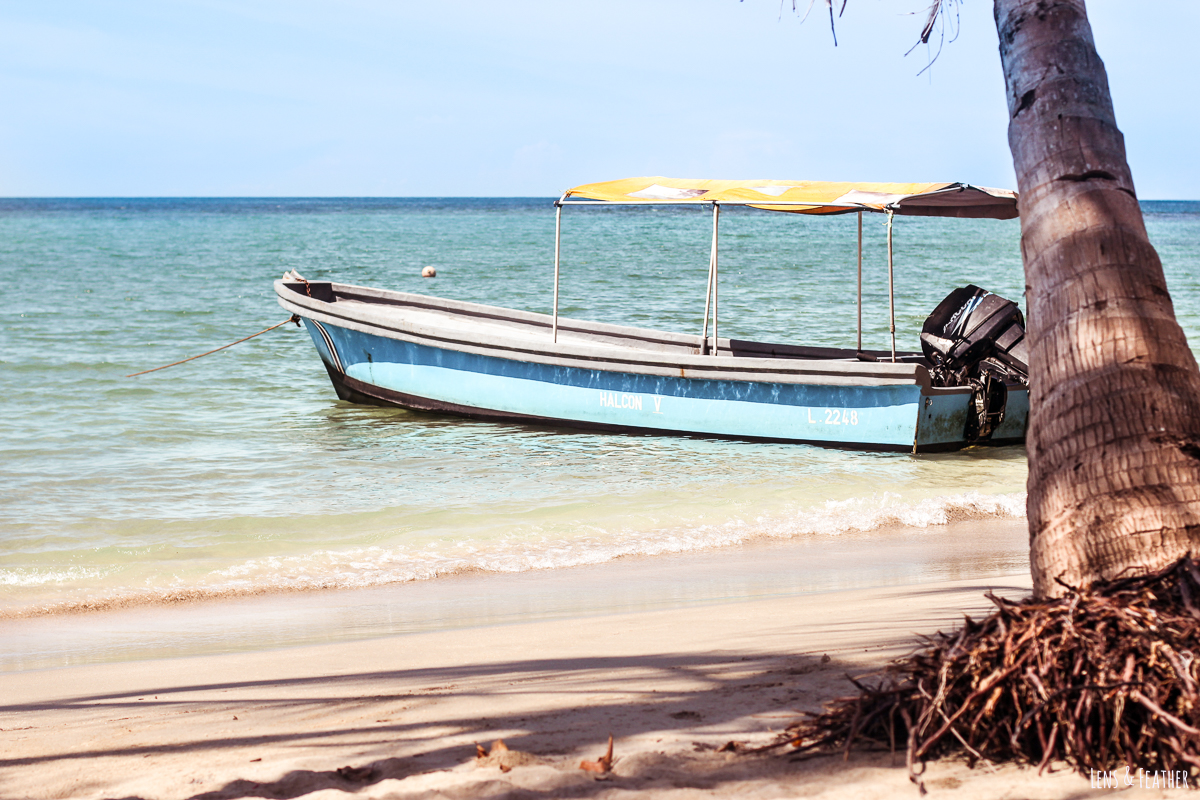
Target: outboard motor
{"x":976,"y":338}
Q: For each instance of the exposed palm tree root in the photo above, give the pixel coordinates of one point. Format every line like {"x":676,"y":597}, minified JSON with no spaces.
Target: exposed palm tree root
{"x":1100,"y":679}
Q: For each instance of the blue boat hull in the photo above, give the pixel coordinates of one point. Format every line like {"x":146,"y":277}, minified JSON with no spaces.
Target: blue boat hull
{"x":389,"y":370}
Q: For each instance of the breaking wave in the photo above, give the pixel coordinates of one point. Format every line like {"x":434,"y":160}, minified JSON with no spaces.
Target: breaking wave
{"x":519,"y":551}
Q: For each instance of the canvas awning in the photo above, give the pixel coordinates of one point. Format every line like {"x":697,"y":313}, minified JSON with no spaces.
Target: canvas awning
{"x":810,"y":197}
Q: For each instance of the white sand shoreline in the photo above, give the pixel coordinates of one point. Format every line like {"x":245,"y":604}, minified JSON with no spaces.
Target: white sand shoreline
{"x":813,"y":564}
{"x":400,"y":716}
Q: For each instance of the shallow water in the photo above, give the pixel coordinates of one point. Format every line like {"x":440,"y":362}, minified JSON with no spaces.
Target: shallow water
{"x":241,"y":472}
{"x":888,"y":557}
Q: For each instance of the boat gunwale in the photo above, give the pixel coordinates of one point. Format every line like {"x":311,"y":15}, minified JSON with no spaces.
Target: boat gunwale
{"x":710,"y":367}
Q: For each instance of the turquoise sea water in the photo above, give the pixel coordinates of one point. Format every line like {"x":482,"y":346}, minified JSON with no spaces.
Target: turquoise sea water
{"x":241,"y":473}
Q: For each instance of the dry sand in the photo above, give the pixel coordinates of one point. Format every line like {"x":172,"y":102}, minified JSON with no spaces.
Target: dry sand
{"x":400,"y":717}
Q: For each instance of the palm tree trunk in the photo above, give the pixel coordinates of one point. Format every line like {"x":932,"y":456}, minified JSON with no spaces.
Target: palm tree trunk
{"x":1114,"y":432}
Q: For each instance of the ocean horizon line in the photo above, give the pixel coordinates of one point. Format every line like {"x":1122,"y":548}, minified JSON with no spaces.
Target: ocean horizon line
{"x":25,"y":198}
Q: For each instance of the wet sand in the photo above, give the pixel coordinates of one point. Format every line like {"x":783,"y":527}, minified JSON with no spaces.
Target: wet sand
{"x":897,"y":556}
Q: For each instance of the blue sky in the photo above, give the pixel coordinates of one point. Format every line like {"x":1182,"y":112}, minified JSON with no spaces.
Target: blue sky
{"x":529,"y":97}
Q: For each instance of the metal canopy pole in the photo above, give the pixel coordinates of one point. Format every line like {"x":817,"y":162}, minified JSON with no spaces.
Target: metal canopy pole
{"x":716,"y":282}
{"x":891,"y":287}
{"x":860,"y":213}
{"x":708,"y":289}
{"x":557,"y":244}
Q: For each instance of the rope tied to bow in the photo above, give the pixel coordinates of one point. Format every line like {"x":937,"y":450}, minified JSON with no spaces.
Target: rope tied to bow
{"x":293,"y":318}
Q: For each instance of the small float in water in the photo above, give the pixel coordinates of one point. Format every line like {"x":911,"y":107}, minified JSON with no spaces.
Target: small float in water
{"x":967,"y":386}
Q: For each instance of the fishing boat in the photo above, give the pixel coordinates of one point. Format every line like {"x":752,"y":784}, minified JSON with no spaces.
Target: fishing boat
{"x":967,"y":385}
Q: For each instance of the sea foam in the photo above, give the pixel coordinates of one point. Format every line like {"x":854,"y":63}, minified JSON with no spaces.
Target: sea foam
{"x":528,"y":550}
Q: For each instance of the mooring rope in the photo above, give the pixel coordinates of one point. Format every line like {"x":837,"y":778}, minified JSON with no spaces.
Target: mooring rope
{"x":293,"y":318}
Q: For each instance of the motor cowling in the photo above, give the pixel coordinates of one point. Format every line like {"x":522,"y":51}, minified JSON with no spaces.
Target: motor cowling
{"x":976,"y":338}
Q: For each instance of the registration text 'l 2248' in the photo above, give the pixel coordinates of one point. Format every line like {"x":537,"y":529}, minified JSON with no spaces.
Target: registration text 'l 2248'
{"x":833,"y":416}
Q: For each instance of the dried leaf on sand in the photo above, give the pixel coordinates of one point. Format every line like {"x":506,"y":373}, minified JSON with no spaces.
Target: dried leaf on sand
{"x":601,"y":765}
{"x":504,"y":758}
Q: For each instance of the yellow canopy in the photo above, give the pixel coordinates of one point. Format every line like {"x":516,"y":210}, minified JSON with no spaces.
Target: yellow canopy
{"x":811,"y":197}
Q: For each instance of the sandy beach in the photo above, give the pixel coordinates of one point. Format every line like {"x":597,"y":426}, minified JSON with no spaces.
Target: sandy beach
{"x":401,"y":716}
